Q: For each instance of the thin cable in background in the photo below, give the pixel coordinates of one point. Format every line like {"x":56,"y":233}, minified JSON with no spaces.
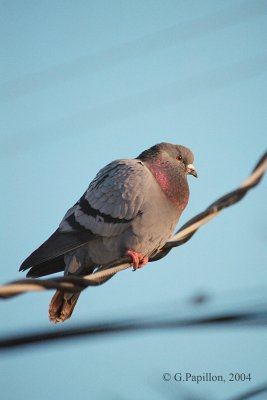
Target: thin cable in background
{"x":254,"y":316}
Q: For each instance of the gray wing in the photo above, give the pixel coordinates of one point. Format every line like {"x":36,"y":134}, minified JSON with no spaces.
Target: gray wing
{"x":112,"y":201}
{"x":108,"y":207}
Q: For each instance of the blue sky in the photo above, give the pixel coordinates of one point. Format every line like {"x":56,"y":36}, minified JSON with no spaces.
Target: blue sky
{"x":86,"y":82}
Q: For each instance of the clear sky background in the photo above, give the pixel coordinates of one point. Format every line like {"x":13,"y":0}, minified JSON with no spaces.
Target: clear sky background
{"x":87,"y":82}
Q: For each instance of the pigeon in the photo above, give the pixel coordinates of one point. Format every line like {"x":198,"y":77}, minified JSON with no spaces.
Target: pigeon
{"x":130,"y":208}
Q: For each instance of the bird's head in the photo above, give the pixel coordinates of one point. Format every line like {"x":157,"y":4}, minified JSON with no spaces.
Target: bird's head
{"x":179,"y":158}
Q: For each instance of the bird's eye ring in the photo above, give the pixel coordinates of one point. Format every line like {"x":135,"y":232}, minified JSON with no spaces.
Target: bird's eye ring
{"x":179,"y":158}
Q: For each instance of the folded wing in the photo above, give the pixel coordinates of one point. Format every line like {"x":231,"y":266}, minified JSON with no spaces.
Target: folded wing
{"x":108,"y":207}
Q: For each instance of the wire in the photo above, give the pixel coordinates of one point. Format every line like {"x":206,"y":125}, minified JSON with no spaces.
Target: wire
{"x":251,"y":393}
{"x":230,"y":318}
{"x":185,"y":233}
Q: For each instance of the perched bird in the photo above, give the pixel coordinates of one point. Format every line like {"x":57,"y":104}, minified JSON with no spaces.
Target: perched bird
{"x":130,"y":208}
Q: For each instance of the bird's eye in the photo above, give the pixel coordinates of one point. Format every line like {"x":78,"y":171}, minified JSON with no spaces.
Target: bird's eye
{"x":179,"y":158}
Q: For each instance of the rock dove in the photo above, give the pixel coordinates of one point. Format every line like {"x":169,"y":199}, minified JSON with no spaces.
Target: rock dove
{"x":130,"y":208}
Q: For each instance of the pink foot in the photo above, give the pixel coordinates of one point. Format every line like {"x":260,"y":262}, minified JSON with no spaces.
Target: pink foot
{"x":138,"y":259}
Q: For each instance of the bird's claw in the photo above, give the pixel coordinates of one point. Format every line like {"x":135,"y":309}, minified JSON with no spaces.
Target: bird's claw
{"x":138,"y":259}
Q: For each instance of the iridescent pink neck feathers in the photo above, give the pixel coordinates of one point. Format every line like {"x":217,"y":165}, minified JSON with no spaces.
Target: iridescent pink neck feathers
{"x":172,"y":182}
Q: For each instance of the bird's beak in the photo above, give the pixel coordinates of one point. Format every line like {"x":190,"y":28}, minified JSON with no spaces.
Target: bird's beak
{"x":191,"y":170}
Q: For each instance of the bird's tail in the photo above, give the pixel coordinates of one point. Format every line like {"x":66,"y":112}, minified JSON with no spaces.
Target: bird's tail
{"x":62,"y":305}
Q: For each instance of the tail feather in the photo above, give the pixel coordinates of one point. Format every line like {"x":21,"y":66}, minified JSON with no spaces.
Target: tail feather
{"x":62,"y":305}
{"x":47,"y":268}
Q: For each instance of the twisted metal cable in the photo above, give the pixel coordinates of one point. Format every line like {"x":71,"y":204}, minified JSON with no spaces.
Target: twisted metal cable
{"x":77,"y":284}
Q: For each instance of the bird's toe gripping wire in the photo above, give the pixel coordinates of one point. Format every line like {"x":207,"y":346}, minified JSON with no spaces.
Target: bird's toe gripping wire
{"x":138,"y":259}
